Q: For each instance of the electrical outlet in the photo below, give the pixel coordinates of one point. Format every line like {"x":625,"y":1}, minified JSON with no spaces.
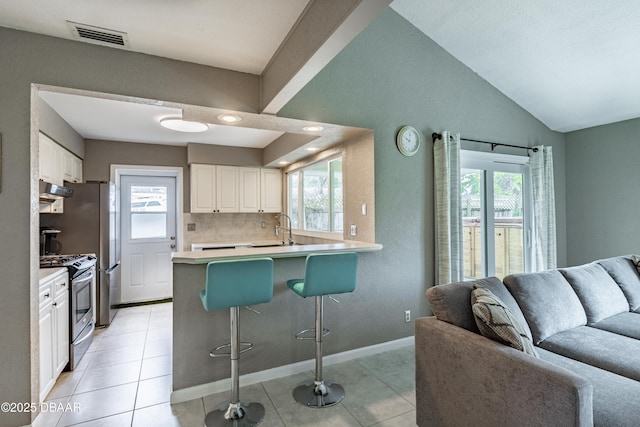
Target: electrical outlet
{"x":191,"y":227}
{"x":353,"y":229}
{"x":407,"y":316}
{"x":364,"y":209}
{"x":263,"y":224}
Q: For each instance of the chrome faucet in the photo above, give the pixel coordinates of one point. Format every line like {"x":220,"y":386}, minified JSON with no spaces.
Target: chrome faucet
{"x":279,"y":227}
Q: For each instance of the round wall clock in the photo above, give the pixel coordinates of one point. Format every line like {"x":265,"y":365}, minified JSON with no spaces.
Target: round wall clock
{"x":408,"y":140}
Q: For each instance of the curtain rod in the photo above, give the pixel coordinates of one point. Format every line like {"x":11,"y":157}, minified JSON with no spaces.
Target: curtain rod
{"x":493,"y":144}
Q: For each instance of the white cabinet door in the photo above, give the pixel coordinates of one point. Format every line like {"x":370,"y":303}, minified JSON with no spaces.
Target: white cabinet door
{"x":203,"y":188}
{"x":47,"y":157}
{"x":77,"y":169}
{"x":249,"y":184}
{"x":270,"y":190}
{"x":71,"y":167}
{"x":47,"y":349}
{"x":61,"y":326}
{"x":67,"y":165}
{"x":54,"y":330}
{"x":227,"y":189}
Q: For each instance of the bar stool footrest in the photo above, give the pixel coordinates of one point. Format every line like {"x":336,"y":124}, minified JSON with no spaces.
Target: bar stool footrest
{"x":313,"y":394}
{"x":244,"y":346}
{"x":300,"y":335}
{"x":236,"y":415}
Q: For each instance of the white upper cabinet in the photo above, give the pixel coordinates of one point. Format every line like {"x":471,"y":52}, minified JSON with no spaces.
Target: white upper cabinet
{"x":260,"y":190}
{"x":214,"y":188}
{"x":203,"y":188}
{"x":249,"y":189}
{"x":227,"y":188}
{"x":50,"y":160}
{"x":56,"y":166}
{"x":235,"y":189}
{"x":72,"y":167}
{"x":270,"y":190}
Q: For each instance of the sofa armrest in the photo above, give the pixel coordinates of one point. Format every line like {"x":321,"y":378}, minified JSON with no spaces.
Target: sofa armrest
{"x":465,"y":379}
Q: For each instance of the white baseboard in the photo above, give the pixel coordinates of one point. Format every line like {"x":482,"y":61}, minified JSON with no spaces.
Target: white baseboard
{"x":195,"y":392}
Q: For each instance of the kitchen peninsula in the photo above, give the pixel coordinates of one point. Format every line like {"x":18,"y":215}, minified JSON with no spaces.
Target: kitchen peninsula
{"x":196,"y":332}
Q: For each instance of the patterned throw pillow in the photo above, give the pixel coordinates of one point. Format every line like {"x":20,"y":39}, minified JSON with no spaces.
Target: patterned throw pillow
{"x":497,"y":322}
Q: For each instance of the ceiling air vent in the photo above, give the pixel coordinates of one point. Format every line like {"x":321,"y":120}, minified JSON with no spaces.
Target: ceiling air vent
{"x":97,"y":35}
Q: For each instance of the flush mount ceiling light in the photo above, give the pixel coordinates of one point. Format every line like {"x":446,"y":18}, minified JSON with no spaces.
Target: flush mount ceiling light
{"x":312,"y":149}
{"x":180,"y":125}
{"x":283,"y":162}
{"x":229,"y":118}
{"x":312,"y":128}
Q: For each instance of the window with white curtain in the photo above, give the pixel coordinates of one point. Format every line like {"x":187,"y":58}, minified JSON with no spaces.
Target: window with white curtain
{"x":496,"y":201}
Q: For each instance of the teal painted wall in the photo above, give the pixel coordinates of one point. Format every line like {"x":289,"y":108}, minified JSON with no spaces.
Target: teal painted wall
{"x":603,"y":172}
{"x":392,"y":75}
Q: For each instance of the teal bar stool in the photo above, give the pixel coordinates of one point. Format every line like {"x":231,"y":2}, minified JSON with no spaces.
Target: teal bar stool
{"x":325,"y":274}
{"x":232,"y":284}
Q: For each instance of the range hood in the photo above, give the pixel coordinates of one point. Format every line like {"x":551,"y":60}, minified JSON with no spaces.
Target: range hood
{"x":49,"y":192}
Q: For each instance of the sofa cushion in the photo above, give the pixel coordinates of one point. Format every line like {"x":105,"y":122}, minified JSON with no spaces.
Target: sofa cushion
{"x":548,"y":302}
{"x":500,"y":290}
{"x":627,"y":324}
{"x":609,"y":409}
{"x":605,"y":350}
{"x":498,"y":323}
{"x":599,"y":294}
{"x":450,"y":303}
{"x":623,"y":270}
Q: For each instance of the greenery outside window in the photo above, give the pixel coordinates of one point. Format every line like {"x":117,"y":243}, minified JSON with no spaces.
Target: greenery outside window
{"x":315,"y":197}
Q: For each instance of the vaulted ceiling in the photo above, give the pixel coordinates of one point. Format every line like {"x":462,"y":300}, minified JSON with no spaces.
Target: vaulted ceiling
{"x":572,"y":64}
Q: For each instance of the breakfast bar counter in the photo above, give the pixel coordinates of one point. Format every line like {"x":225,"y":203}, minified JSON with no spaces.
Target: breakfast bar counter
{"x":261,"y":249}
{"x":196,"y":331}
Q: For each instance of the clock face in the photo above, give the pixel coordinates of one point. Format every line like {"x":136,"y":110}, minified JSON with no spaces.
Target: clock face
{"x":408,"y":141}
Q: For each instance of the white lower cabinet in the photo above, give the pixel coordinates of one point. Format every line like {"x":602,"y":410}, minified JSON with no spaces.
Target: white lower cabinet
{"x":54,"y":329}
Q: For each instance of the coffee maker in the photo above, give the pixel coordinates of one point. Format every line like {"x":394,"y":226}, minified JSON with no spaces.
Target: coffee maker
{"x":48,"y":243}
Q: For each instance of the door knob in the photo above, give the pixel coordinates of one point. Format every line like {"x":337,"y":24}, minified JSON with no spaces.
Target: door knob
{"x":173,"y":237}
{"x":173,"y":246}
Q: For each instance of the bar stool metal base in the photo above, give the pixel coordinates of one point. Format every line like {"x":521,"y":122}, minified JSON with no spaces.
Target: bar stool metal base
{"x":318,"y":394}
{"x":236,"y":415}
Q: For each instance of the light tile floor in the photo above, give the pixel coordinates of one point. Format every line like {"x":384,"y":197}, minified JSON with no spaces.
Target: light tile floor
{"x":125,"y":380}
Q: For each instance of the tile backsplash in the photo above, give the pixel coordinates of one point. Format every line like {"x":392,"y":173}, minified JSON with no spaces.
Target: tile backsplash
{"x":228,"y":227}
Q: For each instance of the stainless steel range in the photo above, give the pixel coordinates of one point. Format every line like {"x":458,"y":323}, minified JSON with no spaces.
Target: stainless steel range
{"x":82,"y":276}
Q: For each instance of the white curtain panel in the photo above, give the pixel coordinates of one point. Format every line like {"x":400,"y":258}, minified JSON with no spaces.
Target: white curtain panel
{"x":544,"y":209}
{"x":446,"y":159}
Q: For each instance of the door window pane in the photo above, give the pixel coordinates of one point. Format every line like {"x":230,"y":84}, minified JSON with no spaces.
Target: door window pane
{"x":508,"y":223}
{"x":472,"y":243}
{"x":148,"y":226}
{"x":148,"y":212}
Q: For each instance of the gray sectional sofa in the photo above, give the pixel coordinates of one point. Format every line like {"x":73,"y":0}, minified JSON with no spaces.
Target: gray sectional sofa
{"x":585,"y":324}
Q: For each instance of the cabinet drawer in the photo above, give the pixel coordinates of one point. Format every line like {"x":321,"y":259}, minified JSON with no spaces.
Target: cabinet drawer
{"x":46,"y":295}
{"x":60,"y":284}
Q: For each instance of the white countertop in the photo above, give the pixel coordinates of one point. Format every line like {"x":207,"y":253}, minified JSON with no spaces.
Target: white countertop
{"x":47,"y":273}
{"x":236,"y":244}
{"x":256,"y":251}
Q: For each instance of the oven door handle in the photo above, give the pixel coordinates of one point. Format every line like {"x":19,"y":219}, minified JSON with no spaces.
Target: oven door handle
{"x":87,"y":335}
{"x":85,"y":277}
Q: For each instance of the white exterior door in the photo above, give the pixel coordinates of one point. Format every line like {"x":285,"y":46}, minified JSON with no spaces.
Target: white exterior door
{"x":148,"y":209}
